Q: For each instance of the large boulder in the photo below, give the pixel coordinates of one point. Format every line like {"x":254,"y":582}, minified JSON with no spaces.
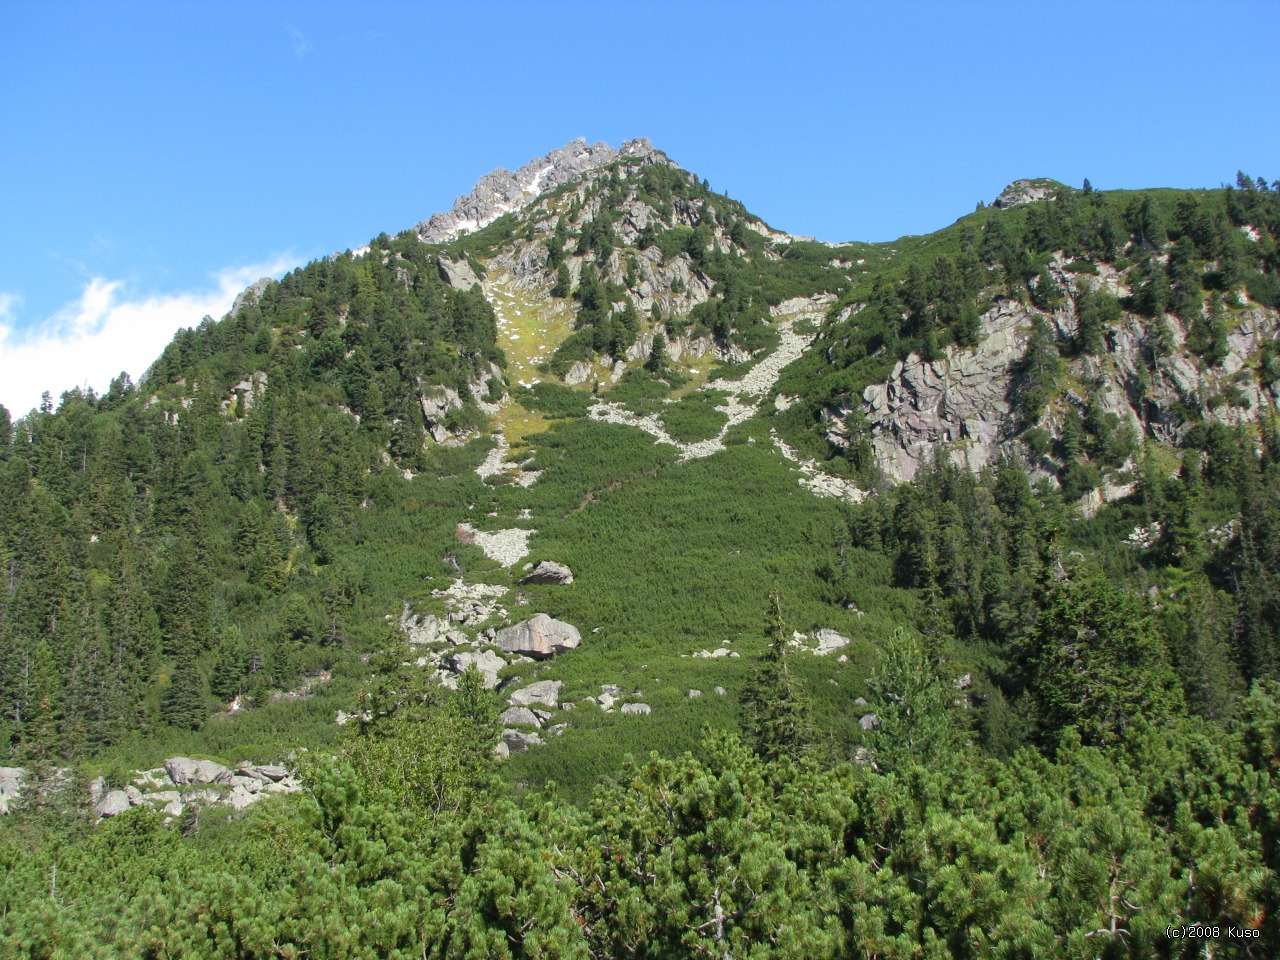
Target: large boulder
{"x":246,"y":783}
{"x":518,"y":742}
{"x":548,"y":571}
{"x":543,"y":692}
{"x":11,"y":779}
{"x":519,"y":716}
{"x":115,"y":802}
{"x":539,"y":637}
{"x":239,"y":798}
{"x":486,"y":661}
{"x":828,"y":642}
{"x":184,"y":770}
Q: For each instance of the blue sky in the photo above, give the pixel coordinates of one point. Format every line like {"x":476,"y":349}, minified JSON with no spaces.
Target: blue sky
{"x":154,"y":158}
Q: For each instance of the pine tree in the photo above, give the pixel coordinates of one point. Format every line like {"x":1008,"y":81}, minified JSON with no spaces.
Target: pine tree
{"x":657,"y":362}
{"x":1099,"y":662}
{"x":182,"y":704}
{"x":776,"y":710}
{"x":564,"y":283}
{"x":914,"y":705}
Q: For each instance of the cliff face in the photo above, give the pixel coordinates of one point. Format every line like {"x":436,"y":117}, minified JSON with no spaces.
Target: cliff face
{"x":963,"y":404}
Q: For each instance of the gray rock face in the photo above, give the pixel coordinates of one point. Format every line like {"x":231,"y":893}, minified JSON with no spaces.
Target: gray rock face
{"x":437,"y":404}
{"x":1024,"y":191}
{"x":580,"y":372}
{"x":828,"y":642}
{"x":11,"y":781}
{"x":486,"y":661}
{"x":539,"y":637}
{"x":548,"y":571}
{"x":246,"y":783}
{"x":519,"y":716}
{"x":961,"y":404}
{"x":113,"y":804}
{"x":249,"y":295}
{"x":545,"y":693}
{"x":869,"y":721}
{"x":502,"y":192}
{"x":239,"y":798}
{"x":959,"y":400}
{"x":457,"y":273}
{"x":184,"y":770}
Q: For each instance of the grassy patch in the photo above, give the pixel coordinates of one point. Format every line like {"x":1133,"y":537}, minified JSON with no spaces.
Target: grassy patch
{"x":695,"y":417}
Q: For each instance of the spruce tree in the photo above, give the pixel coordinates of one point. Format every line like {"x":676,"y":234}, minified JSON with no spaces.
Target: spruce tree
{"x":657,"y":362}
{"x":776,"y":709}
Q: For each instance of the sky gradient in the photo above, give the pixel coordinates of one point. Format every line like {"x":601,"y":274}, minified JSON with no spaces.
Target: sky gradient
{"x":158,"y":157}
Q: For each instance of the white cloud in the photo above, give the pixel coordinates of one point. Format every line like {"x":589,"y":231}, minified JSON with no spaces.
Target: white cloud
{"x":300,"y":45}
{"x":105,"y":331}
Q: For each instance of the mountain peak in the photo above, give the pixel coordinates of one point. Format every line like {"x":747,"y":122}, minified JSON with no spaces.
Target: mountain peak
{"x":1026,"y":191}
{"x":502,"y":191}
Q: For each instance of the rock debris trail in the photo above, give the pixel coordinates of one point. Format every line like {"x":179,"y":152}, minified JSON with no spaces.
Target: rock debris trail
{"x":507,"y":547}
{"x":758,"y":381}
{"x":814,"y":480}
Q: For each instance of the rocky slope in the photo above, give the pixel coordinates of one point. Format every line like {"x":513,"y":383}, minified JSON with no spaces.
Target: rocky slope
{"x":502,"y":192}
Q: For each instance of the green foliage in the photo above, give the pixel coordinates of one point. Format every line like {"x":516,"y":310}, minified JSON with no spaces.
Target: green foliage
{"x":161,"y":554}
{"x":694,"y":417}
{"x":1099,"y":663}
{"x":916,"y":707}
{"x":776,"y":711}
{"x":1040,"y":373}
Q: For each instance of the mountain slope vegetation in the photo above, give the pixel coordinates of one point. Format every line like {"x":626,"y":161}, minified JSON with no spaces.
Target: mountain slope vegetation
{"x":924,"y":592}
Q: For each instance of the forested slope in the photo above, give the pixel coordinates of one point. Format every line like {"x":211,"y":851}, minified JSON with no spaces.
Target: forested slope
{"x":936,"y":585}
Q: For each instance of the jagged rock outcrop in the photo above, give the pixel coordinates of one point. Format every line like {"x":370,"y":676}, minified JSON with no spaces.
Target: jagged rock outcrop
{"x":539,"y":637}
{"x":457,"y":273}
{"x":247,"y":393}
{"x":503,"y":192}
{"x":961,"y":401}
{"x":1025,"y":191}
{"x":249,"y":295}
{"x":437,"y":404}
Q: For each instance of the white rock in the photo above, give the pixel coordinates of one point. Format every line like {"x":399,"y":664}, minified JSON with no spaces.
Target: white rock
{"x":113,"y":804}
{"x":544,"y":692}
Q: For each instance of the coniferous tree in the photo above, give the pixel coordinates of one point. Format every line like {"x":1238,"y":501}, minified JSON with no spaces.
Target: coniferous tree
{"x":1099,"y":662}
{"x":915,"y":706}
{"x":776,"y":710}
